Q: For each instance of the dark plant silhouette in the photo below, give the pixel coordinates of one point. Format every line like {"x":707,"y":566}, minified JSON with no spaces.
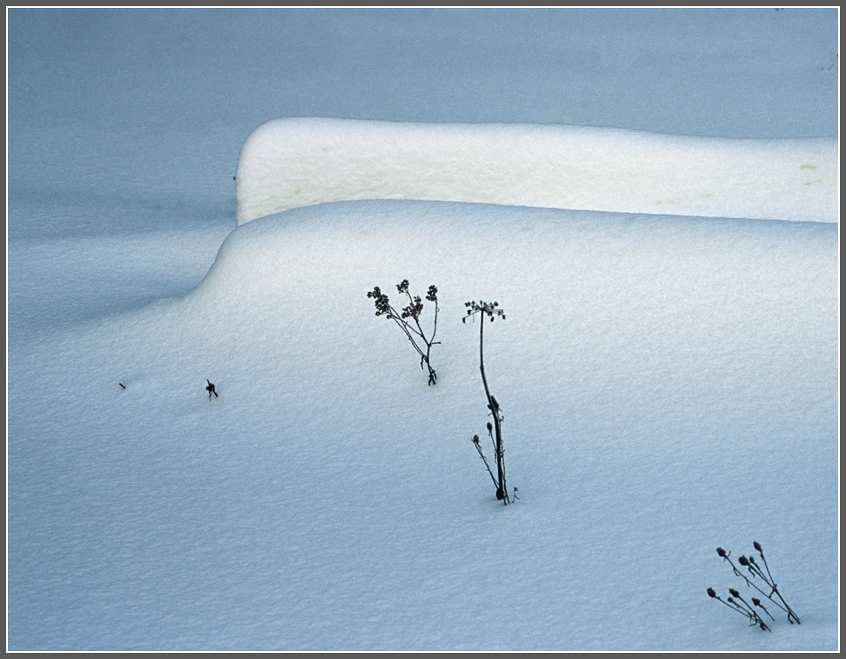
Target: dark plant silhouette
{"x":491,"y":310}
{"x":210,"y":388}
{"x":408,"y":320}
{"x":737,"y":603}
{"x":756,"y":572}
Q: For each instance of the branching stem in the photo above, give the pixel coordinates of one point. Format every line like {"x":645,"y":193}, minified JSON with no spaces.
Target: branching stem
{"x":415,"y":332}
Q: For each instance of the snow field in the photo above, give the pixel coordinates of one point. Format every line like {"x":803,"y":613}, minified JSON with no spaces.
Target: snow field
{"x":286,"y":163}
{"x":667,"y":385}
{"x":669,"y":382}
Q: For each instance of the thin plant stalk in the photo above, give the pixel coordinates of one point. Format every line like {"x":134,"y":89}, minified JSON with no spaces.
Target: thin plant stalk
{"x":502,"y":490}
{"x":490,"y":310}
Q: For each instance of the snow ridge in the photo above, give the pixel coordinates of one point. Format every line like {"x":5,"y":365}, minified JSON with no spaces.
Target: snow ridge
{"x":288,"y":163}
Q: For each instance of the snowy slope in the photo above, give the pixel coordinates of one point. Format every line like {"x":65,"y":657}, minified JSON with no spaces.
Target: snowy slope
{"x":288,"y":163}
{"x":669,"y":385}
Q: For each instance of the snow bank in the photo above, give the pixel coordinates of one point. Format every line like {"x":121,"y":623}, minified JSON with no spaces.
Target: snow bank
{"x":287,"y":163}
{"x":669,"y":385}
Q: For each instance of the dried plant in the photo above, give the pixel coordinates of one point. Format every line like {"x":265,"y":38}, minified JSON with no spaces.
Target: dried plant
{"x":408,"y":320}
{"x":756,"y":572}
{"x":491,"y":310}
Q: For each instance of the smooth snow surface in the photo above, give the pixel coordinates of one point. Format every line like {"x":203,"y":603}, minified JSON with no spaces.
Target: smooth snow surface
{"x":669,"y":385}
{"x":669,"y":382}
{"x":288,"y":163}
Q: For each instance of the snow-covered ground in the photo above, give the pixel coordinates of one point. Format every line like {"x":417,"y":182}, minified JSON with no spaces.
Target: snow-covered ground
{"x":669,"y":381}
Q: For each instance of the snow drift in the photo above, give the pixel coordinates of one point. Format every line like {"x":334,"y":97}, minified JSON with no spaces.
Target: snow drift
{"x":669,"y":385}
{"x":287,"y":163}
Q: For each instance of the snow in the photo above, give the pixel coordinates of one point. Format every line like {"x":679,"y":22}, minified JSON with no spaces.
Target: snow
{"x":669,"y":380}
{"x":287,"y":163}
